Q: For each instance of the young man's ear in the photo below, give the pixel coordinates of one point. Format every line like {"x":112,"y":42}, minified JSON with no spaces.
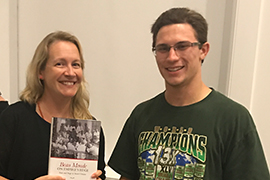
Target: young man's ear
{"x":204,"y":50}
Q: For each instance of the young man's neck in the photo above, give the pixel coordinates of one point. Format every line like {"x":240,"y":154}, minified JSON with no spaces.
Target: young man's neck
{"x":186,"y":95}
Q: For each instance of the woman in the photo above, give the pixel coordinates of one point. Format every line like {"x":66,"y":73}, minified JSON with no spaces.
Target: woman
{"x":55,"y":87}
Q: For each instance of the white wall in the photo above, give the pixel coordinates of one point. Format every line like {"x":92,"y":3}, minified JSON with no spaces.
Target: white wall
{"x":260,"y":99}
{"x":116,"y":39}
{"x":4,"y":48}
{"x":261,"y":88}
{"x":249,"y":68}
{"x":120,"y":67}
{"x":8,"y":50}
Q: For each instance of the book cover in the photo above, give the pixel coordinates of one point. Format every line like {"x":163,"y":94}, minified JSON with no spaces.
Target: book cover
{"x":74,"y":147}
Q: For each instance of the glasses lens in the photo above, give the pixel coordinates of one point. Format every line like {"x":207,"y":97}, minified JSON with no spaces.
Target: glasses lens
{"x":162,"y":48}
{"x":181,"y":46}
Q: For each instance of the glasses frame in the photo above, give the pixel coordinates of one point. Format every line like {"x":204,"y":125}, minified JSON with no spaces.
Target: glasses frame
{"x":190,"y":44}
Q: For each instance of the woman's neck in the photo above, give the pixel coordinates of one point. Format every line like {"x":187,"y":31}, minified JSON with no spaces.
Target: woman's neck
{"x":47,"y":108}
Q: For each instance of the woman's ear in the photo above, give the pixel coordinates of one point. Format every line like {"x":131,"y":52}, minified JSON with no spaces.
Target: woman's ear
{"x":40,"y":76}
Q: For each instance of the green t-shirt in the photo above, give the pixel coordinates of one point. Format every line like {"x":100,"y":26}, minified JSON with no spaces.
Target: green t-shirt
{"x":213,"y":139}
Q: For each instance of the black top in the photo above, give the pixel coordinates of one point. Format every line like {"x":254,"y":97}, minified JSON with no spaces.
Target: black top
{"x":3,"y":105}
{"x":24,"y":138}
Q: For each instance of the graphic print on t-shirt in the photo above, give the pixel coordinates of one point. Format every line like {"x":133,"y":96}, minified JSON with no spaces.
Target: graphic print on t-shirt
{"x":171,"y":154}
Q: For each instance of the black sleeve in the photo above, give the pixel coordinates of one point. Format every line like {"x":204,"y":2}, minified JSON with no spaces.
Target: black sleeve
{"x":7,"y":126}
{"x":101,"y":154}
{"x":3,"y":106}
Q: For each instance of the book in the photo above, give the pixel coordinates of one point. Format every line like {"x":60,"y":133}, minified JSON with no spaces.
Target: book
{"x":74,"y":147}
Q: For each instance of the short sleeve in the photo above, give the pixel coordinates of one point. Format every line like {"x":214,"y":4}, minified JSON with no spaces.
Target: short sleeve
{"x":247,"y":160}
{"x":124,"y":157}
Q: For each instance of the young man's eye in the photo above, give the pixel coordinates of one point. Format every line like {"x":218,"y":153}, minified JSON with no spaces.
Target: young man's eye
{"x":162,"y":48}
{"x":182,"y":45}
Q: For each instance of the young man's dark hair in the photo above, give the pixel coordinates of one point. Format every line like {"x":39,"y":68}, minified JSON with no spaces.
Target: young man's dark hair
{"x":180,"y":16}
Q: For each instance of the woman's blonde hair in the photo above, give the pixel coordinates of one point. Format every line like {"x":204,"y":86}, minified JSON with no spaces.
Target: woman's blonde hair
{"x":34,"y":86}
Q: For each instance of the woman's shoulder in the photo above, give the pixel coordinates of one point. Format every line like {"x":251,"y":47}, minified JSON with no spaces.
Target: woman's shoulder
{"x":3,"y":105}
{"x":20,"y":104}
{"x":19,"y":107}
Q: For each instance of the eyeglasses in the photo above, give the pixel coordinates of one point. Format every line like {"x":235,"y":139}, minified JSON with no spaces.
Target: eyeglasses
{"x":162,"y":50}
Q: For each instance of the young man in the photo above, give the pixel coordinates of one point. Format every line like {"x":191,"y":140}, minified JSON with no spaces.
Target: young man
{"x":189,"y":131}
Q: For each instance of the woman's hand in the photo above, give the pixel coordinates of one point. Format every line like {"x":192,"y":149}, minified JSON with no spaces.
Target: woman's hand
{"x":51,"y":177}
{"x":57,"y":177}
{"x":97,"y":174}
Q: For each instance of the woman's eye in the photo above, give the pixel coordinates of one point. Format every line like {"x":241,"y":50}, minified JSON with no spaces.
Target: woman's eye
{"x":77,"y":65}
{"x":59,"y":64}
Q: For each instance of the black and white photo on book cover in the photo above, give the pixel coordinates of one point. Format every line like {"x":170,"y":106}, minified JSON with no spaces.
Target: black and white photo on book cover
{"x":74,"y":147}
